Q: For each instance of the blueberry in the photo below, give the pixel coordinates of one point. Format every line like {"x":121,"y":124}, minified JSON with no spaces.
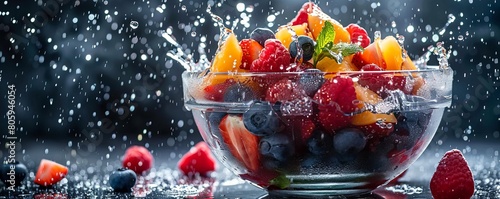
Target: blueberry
{"x":277,"y":146}
{"x":260,"y":119}
{"x":13,"y":173}
{"x":261,"y":35}
{"x":311,"y":80}
{"x":349,"y":141}
{"x":320,"y":142}
{"x":239,"y":93}
{"x":122,"y":180}
{"x":214,"y":119}
{"x":304,"y":44}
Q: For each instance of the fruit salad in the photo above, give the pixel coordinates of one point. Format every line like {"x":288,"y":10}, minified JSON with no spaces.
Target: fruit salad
{"x":316,"y":102}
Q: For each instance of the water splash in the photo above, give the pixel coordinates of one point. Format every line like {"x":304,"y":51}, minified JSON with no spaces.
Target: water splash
{"x":451,"y":19}
{"x":134,"y":24}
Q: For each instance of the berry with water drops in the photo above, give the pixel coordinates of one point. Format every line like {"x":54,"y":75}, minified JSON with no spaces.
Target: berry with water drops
{"x":302,"y":48}
{"x":453,"y":177}
{"x":138,"y":159}
{"x":349,"y":141}
{"x":261,"y":35}
{"x":260,"y":119}
{"x":273,"y":58}
{"x":197,"y":160}
{"x":122,"y":180}
{"x":16,"y":169}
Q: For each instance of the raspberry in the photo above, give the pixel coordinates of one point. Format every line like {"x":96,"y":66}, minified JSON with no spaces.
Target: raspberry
{"x":273,"y":58}
{"x":285,"y":90}
{"x":137,"y":159}
{"x":358,"y":35}
{"x":336,"y":99}
{"x":198,"y":160}
{"x":383,"y":82}
{"x":453,"y":178}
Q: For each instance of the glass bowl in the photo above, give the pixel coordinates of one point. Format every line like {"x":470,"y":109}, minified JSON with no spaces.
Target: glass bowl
{"x":316,"y":134}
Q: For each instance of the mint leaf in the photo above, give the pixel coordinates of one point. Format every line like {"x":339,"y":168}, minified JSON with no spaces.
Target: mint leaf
{"x":326,"y":36}
{"x":337,"y":51}
{"x":281,"y":182}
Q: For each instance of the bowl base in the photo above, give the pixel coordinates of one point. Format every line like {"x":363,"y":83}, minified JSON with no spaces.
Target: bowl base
{"x":329,"y":186}
{"x":345,"y":193}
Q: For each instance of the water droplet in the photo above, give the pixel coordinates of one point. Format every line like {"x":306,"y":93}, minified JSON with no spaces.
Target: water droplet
{"x":134,"y":24}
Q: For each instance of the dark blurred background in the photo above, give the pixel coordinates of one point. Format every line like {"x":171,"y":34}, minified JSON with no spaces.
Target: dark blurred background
{"x":94,"y":73}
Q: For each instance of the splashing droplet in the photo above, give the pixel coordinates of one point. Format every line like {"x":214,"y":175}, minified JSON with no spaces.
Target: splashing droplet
{"x":134,"y":24}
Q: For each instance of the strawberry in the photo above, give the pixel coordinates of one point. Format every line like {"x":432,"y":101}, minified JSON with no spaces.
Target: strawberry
{"x":273,"y":58}
{"x":358,"y":35}
{"x":453,"y":177}
{"x":303,"y":13}
{"x":137,"y":159}
{"x":197,"y":160}
{"x":241,"y":143}
{"x":215,"y":92}
{"x":49,"y":173}
{"x":383,"y":82}
{"x":251,"y":50}
{"x":336,"y":98}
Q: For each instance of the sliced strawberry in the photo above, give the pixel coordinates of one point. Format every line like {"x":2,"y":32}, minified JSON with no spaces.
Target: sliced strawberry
{"x":251,"y":50}
{"x":50,"y":173}
{"x":303,"y":13}
{"x":215,"y":92}
{"x":197,"y":160}
{"x":241,"y":143}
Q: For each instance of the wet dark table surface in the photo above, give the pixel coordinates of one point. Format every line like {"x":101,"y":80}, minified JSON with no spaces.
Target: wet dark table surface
{"x":87,"y":176}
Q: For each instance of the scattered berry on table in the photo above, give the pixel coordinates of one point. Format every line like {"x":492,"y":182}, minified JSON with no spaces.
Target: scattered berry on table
{"x":138,"y":159}
{"x":16,"y":169}
{"x":198,"y":159}
{"x":453,"y":177}
{"x":50,"y":173}
{"x":122,"y":180}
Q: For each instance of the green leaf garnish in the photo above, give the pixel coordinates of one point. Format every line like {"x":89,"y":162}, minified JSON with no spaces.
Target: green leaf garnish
{"x":325,"y":48}
{"x":327,"y":35}
{"x":337,"y":51}
{"x":281,"y":182}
